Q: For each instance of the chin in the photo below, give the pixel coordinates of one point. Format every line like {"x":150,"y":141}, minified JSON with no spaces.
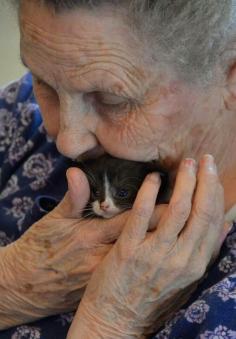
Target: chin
{"x":106,"y":215}
{"x":109,"y":216}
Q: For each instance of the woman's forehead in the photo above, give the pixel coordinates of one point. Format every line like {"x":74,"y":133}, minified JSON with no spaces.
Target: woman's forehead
{"x":79,"y":29}
{"x":102,"y":19}
{"x":79,"y":42}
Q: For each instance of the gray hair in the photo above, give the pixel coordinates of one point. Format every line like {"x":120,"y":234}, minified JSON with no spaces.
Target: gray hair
{"x":195,"y":36}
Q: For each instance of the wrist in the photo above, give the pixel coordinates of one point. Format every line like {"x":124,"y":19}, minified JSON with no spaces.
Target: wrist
{"x":87,"y":324}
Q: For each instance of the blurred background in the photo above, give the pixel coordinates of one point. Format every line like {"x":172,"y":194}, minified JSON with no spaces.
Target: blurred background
{"x":10,"y":65}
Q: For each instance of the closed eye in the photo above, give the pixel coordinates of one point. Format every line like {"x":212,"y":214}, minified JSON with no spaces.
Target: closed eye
{"x":107,"y":102}
{"x":95,"y":193}
{"x":109,"y":99}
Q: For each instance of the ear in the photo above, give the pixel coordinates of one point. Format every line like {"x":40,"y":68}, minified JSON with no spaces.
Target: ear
{"x":230,"y":89}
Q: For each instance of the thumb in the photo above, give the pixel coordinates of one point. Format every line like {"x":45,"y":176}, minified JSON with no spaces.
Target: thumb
{"x":77,"y":195}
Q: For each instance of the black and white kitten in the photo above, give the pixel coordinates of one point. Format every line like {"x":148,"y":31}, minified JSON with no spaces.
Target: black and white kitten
{"x":114,"y":184}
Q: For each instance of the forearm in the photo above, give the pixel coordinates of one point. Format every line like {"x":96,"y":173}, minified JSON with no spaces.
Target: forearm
{"x":16,"y":305}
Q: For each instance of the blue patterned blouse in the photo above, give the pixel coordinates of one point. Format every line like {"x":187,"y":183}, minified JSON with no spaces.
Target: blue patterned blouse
{"x":30,"y":169}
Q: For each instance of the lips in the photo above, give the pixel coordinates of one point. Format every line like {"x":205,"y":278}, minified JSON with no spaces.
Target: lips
{"x":91,"y":154}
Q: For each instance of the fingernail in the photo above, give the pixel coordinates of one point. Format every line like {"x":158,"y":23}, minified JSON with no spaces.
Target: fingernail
{"x":155,"y":176}
{"x":209,"y":163}
{"x":190,"y":164}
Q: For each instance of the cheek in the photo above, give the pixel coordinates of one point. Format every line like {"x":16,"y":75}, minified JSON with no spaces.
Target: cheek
{"x":152,"y":132}
{"x":130,"y":137}
{"x":49,"y":106}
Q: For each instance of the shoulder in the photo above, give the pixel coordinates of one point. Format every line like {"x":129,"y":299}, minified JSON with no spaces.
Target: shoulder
{"x":17,"y":101}
{"x":19,"y":90}
{"x":19,"y":112}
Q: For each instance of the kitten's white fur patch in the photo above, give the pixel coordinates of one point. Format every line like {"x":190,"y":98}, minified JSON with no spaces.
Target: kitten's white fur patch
{"x":112,"y":210}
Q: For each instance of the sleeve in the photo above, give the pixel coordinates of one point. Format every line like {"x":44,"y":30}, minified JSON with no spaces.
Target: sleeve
{"x":211,"y":311}
{"x":19,"y":119}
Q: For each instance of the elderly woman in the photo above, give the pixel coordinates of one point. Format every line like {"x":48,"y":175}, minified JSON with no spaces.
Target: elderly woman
{"x":140,"y":80}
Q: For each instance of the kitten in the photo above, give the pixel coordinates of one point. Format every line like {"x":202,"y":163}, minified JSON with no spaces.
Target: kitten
{"x":114,"y":184}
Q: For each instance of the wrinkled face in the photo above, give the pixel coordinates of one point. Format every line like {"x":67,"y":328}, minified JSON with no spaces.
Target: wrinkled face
{"x":97,"y":91}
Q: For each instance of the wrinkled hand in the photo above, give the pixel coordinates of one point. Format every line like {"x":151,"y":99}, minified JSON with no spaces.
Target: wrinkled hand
{"x":47,"y":269}
{"x":147,"y":275}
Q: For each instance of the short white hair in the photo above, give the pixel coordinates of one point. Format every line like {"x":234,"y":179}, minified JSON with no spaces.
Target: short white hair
{"x":194,"y":36}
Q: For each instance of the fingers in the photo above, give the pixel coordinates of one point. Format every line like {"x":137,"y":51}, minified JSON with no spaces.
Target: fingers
{"x":174,"y":218}
{"x":207,"y":213}
{"x":77,"y":196}
{"x":156,"y":216}
{"x":105,"y":231}
{"x":138,"y":221}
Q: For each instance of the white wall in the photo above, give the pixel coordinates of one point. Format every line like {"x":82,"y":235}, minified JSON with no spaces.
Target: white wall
{"x":10,"y":65}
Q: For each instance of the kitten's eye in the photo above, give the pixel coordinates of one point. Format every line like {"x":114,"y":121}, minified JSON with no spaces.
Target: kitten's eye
{"x":96,"y":193}
{"x":123,"y":193}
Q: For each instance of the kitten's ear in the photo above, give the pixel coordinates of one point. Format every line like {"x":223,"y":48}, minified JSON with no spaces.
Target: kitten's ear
{"x":153,"y":166}
{"x":82,"y":166}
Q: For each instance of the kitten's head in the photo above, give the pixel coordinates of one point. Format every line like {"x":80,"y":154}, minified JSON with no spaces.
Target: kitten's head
{"x":114,"y":184}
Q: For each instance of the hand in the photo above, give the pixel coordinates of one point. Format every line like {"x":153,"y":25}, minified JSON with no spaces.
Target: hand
{"x":47,"y":269}
{"x":147,"y":275}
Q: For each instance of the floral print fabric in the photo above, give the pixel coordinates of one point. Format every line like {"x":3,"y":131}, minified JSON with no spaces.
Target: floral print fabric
{"x":30,"y":169}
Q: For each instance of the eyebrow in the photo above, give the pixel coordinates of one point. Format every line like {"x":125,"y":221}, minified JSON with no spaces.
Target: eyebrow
{"x":25,"y":65}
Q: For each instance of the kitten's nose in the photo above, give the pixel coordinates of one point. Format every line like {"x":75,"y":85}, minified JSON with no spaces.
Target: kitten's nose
{"x":104,"y":205}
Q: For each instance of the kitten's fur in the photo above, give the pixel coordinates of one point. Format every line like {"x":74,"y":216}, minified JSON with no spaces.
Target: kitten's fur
{"x":114,"y":184}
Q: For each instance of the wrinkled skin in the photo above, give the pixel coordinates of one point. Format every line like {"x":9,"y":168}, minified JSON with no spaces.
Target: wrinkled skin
{"x":95,"y":88}
{"x":46,"y":271}
{"x":54,"y":259}
{"x":98,"y":91}
{"x":145,"y":273}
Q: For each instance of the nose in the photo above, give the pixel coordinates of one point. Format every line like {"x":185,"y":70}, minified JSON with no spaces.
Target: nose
{"x":73,"y":145}
{"x":77,"y":125}
{"x":104,"y":205}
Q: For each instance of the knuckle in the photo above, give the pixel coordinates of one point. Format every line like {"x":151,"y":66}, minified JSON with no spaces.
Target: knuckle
{"x":189,"y":270}
{"x":221,"y":188}
{"x":180,"y":209}
{"x":220,"y":193}
{"x":124,"y":252}
{"x":204,"y":212}
{"x":142,"y":211}
{"x":198,"y":272}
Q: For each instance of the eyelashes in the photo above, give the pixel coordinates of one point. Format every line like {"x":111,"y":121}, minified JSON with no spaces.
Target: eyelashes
{"x":109,"y":99}
{"x":110,"y":103}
